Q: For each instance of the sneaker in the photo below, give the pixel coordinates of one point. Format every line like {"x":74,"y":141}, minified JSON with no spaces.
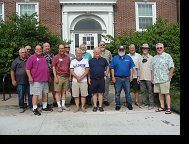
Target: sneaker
{"x":83,"y":109}
{"x":22,"y":110}
{"x":36,"y":112}
{"x":60,"y":109}
{"x":47,"y":109}
{"x":106,"y":103}
{"x":94,"y":109}
{"x":144,"y":105}
{"x":55,"y":104}
{"x":25,"y":105}
{"x":130,"y":107}
{"x":117,"y":108}
{"x":65,"y":108}
{"x":150,"y":107}
{"x":101,"y":109}
{"x":76,"y":110}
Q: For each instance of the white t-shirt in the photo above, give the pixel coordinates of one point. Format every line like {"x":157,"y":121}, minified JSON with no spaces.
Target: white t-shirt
{"x":135,"y":58}
{"x":79,"y":68}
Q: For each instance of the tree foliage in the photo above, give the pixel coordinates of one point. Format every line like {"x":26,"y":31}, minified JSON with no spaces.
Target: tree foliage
{"x":20,"y":31}
{"x":168,"y":34}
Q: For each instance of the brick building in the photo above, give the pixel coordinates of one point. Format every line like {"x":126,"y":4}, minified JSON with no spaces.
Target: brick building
{"x":83,"y":21}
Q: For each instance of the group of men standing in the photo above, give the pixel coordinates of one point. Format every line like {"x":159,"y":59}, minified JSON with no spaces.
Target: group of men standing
{"x":89,"y":77}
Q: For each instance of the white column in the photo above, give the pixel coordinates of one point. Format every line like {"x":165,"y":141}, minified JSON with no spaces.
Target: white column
{"x":65,"y":26}
{"x":110,"y":24}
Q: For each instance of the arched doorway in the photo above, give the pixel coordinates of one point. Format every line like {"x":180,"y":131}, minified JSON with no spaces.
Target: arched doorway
{"x":88,"y":31}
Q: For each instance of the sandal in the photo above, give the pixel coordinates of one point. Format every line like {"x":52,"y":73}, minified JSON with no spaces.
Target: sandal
{"x":160,"y":109}
{"x":168,"y":111}
{"x":136,"y":103}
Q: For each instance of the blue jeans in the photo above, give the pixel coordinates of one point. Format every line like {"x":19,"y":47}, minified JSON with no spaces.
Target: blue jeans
{"x":23,"y":89}
{"x":125,"y":84}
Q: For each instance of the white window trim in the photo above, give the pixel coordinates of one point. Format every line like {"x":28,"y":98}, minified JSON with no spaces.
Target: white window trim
{"x":18,"y":7}
{"x":2,"y":10}
{"x":137,"y":17}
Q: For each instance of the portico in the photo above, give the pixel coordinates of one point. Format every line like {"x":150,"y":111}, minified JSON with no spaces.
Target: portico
{"x":85,"y":21}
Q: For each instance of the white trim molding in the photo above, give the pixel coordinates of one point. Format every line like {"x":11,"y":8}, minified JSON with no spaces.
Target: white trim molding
{"x":2,"y":10}
{"x":153,"y":4}
{"x":27,"y":3}
{"x":88,"y":1}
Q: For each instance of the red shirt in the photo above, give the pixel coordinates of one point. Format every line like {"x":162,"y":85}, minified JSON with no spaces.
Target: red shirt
{"x":62,"y":65}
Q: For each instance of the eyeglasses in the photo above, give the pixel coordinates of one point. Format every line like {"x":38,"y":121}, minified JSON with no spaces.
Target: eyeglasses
{"x":121,"y":50}
{"x":102,"y":45}
{"x":28,"y":49}
{"x":67,"y":47}
{"x":159,"y":48}
{"x":144,"y":60}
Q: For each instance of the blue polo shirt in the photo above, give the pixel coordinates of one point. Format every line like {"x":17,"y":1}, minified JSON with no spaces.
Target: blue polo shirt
{"x":122,"y":65}
{"x":97,"y":67}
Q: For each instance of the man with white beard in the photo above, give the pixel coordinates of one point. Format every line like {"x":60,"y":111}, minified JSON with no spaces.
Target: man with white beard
{"x":122,"y":74}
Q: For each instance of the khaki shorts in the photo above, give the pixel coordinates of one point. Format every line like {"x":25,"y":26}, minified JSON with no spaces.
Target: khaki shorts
{"x":162,"y":88}
{"x":63,"y":84}
{"x":83,"y":87}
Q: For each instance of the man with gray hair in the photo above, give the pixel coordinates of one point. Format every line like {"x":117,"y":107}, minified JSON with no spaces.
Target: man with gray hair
{"x":108,"y":56}
{"x":20,"y":79}
{"x":97,"y":77}
{"x":38,"y":74}
{"x":162,"y":68}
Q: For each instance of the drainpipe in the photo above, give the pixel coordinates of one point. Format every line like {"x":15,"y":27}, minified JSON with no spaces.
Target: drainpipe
{"x":177,"y":7}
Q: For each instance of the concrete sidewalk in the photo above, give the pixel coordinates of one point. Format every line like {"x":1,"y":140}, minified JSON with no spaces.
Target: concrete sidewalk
{"x":139,"y":121}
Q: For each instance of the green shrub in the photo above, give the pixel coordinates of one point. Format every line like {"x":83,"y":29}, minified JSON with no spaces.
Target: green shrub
{"x":168,"y":34}
{"x":20,"y":31}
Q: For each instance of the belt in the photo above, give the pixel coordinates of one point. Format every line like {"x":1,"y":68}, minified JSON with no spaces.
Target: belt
{"x":121,"y":76}
{"x":98,"y":78}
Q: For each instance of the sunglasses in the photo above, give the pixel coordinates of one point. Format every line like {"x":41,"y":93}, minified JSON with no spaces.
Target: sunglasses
{"x":67,"y":47}
{"x":144,"y":60}
{"x":102,"y":45}
{"x":159,"y":48}
{"x":121,"y":50}
{"x":28,"y":49}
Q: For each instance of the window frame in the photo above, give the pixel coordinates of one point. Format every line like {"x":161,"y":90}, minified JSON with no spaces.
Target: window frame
{"x":3,"y":10}
{"x":36,"y":7}
{"x":137,"y":16}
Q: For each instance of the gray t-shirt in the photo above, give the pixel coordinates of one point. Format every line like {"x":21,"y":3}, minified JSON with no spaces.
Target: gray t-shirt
{"x":72,"y":56}
{"x":19,"y":67}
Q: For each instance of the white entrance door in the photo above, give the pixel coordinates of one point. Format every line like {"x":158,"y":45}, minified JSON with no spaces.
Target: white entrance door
{"x":90,"y":40}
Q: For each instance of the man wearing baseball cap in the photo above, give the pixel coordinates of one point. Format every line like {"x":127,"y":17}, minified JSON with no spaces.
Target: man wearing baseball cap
{"x":122,"y":73}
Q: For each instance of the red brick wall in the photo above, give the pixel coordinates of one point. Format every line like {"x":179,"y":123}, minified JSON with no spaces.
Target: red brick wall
{"x":49,"y":13}
{"x":125,"y":20}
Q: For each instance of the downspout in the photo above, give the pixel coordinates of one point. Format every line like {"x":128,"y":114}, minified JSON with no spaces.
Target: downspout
{"x":177,"y":7}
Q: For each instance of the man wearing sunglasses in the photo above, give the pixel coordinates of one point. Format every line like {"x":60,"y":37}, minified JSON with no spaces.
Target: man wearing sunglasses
{"x":163,"y":68}
{"x":145,"y":77}
{"x":108,"y":56}
{"x":72,"y":57}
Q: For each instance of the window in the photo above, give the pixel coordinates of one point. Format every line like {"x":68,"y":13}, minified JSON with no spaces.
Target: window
{"x":1,"y":11}
{"x":145,"y":15}
{"x":88,"y":25}
{"x":29,"y":8}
